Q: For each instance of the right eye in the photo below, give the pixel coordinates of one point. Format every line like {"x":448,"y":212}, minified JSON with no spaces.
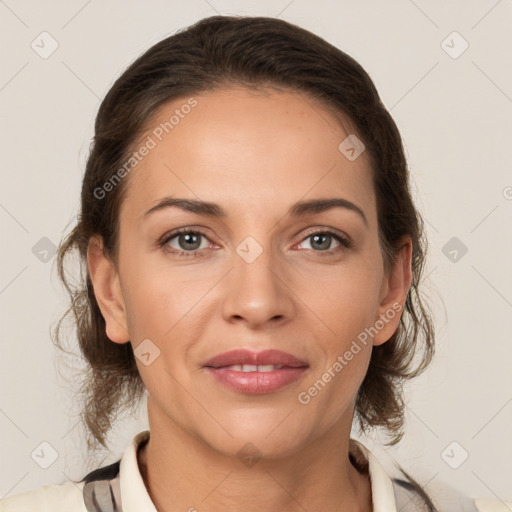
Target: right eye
{"x":188,"y":239}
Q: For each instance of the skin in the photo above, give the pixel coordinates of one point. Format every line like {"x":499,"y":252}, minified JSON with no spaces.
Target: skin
{"x":255,"y":153}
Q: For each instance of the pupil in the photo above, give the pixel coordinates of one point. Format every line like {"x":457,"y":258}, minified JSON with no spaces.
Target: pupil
{"x":325,"y":237}
{"x":186,"y":238}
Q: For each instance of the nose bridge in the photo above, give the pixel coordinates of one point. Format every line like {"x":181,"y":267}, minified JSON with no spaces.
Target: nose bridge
{"x":255,"y":290}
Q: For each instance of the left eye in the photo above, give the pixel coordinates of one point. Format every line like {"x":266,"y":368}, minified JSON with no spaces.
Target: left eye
{"x":322,"y":240}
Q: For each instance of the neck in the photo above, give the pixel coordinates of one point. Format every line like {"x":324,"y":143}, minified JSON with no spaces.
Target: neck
{"x":182,"y":473}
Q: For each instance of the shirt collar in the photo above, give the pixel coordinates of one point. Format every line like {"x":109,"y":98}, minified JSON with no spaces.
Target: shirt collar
{"x":383,"y":494}
{"x":135,"y":496}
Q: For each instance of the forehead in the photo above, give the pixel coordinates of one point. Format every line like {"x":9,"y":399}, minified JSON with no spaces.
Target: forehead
{"x":246,"y":148}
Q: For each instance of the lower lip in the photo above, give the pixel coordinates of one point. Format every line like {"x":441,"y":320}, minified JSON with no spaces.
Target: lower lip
{"x":257,"y":382}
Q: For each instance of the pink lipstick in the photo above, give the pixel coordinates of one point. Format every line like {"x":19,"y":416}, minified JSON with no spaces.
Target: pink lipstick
{"x":256,"y":372}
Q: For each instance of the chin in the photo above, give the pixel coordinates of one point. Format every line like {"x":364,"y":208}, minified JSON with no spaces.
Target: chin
{"x":271,"y":438}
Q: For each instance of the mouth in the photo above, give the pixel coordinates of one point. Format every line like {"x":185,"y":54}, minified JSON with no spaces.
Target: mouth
{"x":256,"y":372}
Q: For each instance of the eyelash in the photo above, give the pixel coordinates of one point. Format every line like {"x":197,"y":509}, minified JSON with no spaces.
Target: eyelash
{"x":345,"y":242}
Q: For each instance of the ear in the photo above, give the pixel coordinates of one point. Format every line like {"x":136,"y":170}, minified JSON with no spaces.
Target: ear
{"x":393,"y":294}
{"x":107,"y":290}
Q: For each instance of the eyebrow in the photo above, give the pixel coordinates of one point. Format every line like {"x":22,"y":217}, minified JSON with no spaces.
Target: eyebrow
{"x":299,"y":209}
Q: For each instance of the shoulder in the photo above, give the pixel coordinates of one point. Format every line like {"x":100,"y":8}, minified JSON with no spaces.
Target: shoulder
{"x":98,"y":491}
{"x":66,"y":497}
{"x":438,"y":497}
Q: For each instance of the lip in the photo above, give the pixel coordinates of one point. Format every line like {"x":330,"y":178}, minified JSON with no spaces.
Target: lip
{"x":265,"y":357}
{"x":255,"y":382}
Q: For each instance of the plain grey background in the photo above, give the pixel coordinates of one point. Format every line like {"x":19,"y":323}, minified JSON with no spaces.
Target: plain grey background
{"x":442,"y":68}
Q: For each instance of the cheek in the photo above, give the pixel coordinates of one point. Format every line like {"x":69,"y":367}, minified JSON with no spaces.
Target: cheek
{"x":154,"y":306}
{"x":166,"y":303}
{"x":346,"y":299}
{"x":343,"y":346}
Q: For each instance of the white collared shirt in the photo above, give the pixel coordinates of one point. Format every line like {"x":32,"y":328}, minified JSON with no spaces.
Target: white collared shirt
{"x":119,"y":487}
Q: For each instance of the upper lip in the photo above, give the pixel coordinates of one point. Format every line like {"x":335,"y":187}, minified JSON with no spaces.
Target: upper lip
{"x":265,"y":357}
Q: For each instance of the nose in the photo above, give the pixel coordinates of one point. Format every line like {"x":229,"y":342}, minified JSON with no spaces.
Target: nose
{"x":257,"y":292}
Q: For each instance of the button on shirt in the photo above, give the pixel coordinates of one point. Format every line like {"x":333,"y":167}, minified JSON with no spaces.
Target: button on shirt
{"x":119,"y":487}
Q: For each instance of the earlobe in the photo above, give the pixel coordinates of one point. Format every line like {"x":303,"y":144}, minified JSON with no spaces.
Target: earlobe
{"x":105,"y":280}
{"x":395,"y":288}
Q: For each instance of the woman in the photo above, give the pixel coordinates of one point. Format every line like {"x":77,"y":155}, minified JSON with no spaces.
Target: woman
{"x":294,"y":312}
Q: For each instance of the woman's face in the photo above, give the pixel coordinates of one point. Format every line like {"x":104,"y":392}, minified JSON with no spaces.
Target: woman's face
{"x":255,"y":278}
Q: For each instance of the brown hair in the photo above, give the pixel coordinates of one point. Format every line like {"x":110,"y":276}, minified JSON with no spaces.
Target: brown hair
{"x":223,"y":51}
